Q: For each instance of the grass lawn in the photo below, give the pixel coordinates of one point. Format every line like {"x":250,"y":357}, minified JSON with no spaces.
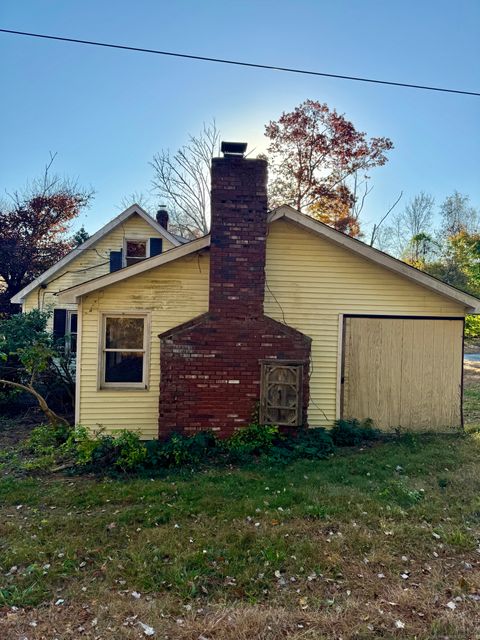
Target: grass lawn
{"x":380,"y":542}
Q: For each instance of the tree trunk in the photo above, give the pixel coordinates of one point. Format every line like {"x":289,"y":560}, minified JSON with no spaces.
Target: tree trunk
{"x":54,"y":419}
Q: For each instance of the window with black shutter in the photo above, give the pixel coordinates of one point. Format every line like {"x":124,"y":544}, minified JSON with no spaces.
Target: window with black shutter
{"x":156,"y":246}
{"x":115,"y":260}
{"x":281,"y":394}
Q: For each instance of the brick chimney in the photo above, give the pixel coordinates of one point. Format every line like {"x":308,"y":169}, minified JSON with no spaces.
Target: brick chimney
{"x":162,"y":217}
{"x":239,"y":211}
{"x":211,"y":366}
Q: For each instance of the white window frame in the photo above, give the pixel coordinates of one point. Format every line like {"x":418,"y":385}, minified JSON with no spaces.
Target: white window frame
{"x":124,"y":252}
{"x":143,"y":385}
{"x":68,"y":331}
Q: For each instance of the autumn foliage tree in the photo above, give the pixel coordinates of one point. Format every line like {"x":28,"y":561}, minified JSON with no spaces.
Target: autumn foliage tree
{"x":319,"y":161}
{"x":35,"y":225}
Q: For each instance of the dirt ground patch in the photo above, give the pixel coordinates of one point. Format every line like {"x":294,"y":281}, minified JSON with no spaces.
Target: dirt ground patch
{"x":471,"y":374}
{"x":472,"y":345}
{"x":16,"y":428}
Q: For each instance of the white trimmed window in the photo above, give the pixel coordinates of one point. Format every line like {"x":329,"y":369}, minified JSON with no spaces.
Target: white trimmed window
{"x":135,"y":250}
{"x":125,"y":339}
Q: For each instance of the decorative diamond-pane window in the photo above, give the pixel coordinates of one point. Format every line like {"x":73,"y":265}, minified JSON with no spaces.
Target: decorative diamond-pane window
{"x":281,"y":399}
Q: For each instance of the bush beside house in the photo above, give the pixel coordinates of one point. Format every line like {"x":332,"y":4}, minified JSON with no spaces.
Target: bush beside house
{"x":81,"y":451}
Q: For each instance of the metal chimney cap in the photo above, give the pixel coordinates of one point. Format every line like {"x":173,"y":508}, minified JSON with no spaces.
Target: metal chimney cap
{"x":236,"y":149}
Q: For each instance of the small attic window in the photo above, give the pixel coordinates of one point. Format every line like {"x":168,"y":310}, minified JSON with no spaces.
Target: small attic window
{"x":135,"y":251}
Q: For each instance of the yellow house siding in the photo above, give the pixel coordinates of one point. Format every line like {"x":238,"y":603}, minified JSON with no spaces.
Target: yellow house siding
{"x":172,"y":294}
{"x":311,"y":282}
{"x":92,"y":263}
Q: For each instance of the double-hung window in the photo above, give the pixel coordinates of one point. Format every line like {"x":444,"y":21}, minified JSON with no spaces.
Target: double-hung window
{"x":136,"y":251}
{"x":124,"y":351}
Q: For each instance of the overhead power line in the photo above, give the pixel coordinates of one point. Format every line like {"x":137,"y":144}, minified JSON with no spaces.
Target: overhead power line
{"x":239,"y":63}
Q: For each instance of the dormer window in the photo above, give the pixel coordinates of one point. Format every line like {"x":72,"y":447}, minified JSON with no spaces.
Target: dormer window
{"x":135,"y":251}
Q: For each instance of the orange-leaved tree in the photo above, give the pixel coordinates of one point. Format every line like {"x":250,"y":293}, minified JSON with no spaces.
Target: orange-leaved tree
{"x":35,"y":224}
{"x":319,"y":161}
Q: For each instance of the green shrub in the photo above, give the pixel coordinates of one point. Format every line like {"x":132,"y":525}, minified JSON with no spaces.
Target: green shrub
{"x":351,"y":433}
{"x":306,"y":443}
{"x":43,"y":462}
{"x":45,"y":439}
{"x":472,"y":326}
{"x":256,"y":439}
{"x":130,"y":452}
{"x":122,"y":450}
{"x":180,"y":450}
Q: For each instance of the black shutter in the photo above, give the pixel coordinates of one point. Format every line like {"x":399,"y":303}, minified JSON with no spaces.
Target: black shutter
{"x":156,"y":246}
{"x":59,"y":323}
{"x":115,"y":260}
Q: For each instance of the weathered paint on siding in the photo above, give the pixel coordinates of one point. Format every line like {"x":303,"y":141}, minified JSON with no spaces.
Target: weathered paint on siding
{"x":310,"y":282}
{"x":92,"y":263}
{"x":172,"y":294}
{"x":314,"y":281}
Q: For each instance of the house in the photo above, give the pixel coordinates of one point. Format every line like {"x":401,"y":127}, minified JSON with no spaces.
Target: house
{"x":129,"y":238}
{"x":273,"y":313}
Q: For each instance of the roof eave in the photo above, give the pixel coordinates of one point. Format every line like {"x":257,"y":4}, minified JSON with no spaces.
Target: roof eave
{"x":471,"y":304}
{"x":19,"y":297}
{"x":73,"y":294}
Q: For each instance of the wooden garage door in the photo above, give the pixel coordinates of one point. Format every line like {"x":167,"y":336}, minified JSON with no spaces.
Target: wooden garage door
{"x":403,"y":372}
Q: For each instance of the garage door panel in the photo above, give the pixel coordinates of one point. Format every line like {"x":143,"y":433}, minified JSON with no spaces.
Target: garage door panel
{"x":403,"y":372}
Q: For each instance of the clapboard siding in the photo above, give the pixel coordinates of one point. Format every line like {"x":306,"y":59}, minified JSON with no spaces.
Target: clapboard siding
{"x":172,"y":294}
{"x":313,"y":281}
{"x":92,"y":263}
{"x":310,"y":283}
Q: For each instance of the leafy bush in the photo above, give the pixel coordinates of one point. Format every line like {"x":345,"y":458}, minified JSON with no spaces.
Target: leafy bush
{"x":45,"y":439}
{"x":472,"y":326}
{"x":351,"y":433}
{"x":180,"y":450}
{"x":122,"y":450}
{"x":32,"y":361}
{"x":256,"y":439}
{"x":307,"y":444}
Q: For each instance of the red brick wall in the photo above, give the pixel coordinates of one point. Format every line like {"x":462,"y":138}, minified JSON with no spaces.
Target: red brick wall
{"x":211,"y":366}
{"x":210,"y":371}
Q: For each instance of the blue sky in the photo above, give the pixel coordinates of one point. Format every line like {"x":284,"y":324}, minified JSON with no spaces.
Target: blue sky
{"x":107,"y":112}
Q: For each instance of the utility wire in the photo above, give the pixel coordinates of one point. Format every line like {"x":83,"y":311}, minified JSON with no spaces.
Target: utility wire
{"x":238,"y":63}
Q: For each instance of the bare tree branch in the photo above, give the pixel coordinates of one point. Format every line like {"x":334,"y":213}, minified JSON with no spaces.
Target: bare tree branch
{"x":376,"y":227}
{"x":182,"y":180}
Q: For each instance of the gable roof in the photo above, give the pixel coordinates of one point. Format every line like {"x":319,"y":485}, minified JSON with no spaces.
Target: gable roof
{"x":74,"y":253}
{"x":307,"y":223}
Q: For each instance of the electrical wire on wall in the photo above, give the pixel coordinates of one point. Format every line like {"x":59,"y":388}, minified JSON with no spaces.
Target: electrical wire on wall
{"x":43,"y":286}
